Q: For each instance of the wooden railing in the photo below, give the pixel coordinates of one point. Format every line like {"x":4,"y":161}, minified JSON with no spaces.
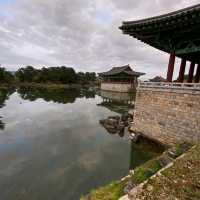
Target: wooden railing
{"x":166,"y":85}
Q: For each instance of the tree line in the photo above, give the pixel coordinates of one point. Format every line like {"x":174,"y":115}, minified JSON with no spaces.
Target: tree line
{"x":5,"y":76}
{"x":64,"y":75}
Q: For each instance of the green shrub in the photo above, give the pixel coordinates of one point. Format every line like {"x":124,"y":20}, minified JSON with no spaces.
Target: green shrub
{"x":112,"y":191}
{"x":145,"y":171}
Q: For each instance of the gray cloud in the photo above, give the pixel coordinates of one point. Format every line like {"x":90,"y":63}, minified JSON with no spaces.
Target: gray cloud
{"x":81,"y":34}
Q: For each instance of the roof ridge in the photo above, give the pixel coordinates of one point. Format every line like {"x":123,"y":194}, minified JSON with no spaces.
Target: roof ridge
{"x":122,"y":66}
{"x":116,"y":70}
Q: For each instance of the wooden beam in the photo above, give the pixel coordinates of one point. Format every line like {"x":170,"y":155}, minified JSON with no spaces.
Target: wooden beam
{"x":187,"y":50}
{"x":197,"y":76}
{"x":191,"y":72}
{"x":171,"y":67}
{"x":182,"y":70}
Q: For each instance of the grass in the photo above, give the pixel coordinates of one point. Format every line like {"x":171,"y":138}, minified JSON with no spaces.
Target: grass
{"x":179,"y":150}
{"x":112,"y":191}
{"x":145,"y":171}
{"x":180,"y":181}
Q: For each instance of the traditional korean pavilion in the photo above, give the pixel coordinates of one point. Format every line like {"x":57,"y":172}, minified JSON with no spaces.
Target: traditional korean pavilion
{"x":177,"y":33}
{"x":120,"y":74}
{"x":169,"y":111}
{"x":119,"y":79}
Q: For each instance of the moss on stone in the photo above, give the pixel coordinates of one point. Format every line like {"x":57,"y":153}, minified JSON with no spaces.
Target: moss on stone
{"x":145,"y":171}
{"x":112,"y":191}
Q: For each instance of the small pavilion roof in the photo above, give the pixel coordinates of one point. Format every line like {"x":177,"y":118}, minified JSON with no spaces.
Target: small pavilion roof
{"x":177,"y":31}
{"x":124,"y":69}
{"x":157,"y":79}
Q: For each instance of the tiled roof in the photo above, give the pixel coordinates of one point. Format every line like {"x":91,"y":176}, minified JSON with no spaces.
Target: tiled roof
{"x":176,"y":15}
{"x":117,"y":70}
{"x":157,"y":79}
{"x":177,"y":32}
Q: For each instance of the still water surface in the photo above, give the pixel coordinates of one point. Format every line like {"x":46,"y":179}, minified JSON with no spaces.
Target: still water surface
{"x":53,"y":147}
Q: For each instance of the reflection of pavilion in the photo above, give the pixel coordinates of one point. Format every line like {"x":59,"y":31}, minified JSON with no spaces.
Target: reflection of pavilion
{"x":109,"y":96}
{"x":116,"y":101}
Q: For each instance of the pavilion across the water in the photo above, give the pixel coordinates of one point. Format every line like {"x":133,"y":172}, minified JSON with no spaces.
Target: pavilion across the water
{"x":119,"y":79}
{"x":177,"y":33}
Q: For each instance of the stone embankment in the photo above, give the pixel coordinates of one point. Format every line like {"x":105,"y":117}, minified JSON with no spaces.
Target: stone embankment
{"x":116,"y":87}
{"x":170,"y":116}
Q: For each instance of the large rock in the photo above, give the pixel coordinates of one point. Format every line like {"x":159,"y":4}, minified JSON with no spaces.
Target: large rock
{"x":124,"y":117}
{"x":117,"y":124}
{"x":129,"y":186}
{"x":110,"y":122}
{"x":116,"y":117}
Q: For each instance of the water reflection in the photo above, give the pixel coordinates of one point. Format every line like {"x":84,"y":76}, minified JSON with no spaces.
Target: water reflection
{"x":2,"y":124}
{"x":121,"y":103}
{"x":117,"y":102}
{"x":53,"y":146}
{"x":59,"y":95}
{"x":126,"y":98}
{"x":146,"y":149}
{"x":4,"y":95}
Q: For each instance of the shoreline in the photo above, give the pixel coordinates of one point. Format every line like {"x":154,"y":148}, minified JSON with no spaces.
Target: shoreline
{"x":121,"y":189}
{"x":47,"y":85}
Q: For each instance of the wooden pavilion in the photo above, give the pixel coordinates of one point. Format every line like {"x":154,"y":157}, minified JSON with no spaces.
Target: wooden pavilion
{"x":177,"y":33}
{"x":169,"y":111}
{"x":119,"y":79}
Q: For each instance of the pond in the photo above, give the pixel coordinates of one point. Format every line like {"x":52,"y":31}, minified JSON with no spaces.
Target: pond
{"x":52,"y":145}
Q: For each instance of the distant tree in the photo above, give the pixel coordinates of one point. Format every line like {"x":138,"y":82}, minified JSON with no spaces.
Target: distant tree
{"x":26,"y":74}
{"x":80,"y":76}
{"x":86,"y":77}
{"x":61,"y":74}
{"x":20,"y":74}
{"x":5,"y":76}
{"x":90,"y":76}
{"x":68,"y":75}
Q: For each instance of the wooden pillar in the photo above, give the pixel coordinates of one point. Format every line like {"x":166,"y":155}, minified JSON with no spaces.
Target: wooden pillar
{"x":191,"y":72}
{"x":171,"y":67}
{"x":197,"y":76}
{"x":182,"y":70}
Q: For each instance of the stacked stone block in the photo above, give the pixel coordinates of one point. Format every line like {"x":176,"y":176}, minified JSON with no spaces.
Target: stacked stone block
{"x":168,"y":115}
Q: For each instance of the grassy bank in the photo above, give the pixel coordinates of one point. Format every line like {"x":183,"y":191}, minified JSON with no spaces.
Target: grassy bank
{"x":115,"y":190}
{"x":180,"y":181}
{"x":47,"y":85}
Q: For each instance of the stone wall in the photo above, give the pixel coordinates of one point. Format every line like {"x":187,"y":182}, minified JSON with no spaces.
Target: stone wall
{"x":116,"y":87}
{"x":168,"y":115}
{"x":117,"y":96}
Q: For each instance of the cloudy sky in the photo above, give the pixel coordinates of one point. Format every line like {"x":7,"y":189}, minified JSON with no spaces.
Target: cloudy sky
{"x":82,"y":34}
